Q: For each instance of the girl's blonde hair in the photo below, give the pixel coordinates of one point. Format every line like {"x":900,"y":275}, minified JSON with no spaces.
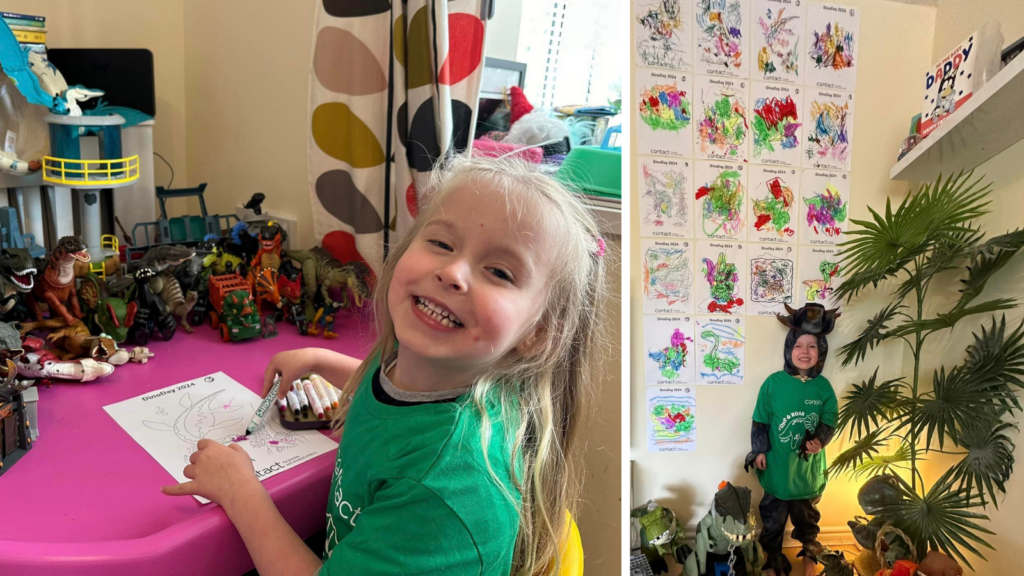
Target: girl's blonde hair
{"x":545,"y":393}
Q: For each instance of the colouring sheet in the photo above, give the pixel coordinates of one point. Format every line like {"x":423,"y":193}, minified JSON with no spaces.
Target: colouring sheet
{"x":720,"y":349}
{"x":819,"y":275}
{"x":824,"y":206}
{"x":776,"y":128}
{"x":833,"y":33}
{"x":668,"y":350}
{"x":772,"y":278}
{"x":671,"y":419}
{"x":777,"y":33}
{"x":773,"y":213}
{"x":666,"y":186}
{"x":723,"y":125}
{"x":720,"y":200}
{"x":168,"y":423}
{"x":665,"y":124}
{"x":721,"y":278}
{"x":828,"y":130}
{"x":668,"y":276}
{"x":722,"y":30}
{"x":664,"y":33}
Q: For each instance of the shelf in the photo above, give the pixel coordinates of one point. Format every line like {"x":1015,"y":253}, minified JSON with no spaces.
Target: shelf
{"x":988,"y":123}
{"x":609,"y":220}
{"x":12,"y":181}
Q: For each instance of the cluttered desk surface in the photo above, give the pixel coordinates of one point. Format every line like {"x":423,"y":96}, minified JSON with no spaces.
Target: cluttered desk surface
{"x":86,"y":499}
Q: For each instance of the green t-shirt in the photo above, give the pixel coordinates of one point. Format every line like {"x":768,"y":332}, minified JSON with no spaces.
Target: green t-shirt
{"x":411,"y":493}
{"x":790,"y":408}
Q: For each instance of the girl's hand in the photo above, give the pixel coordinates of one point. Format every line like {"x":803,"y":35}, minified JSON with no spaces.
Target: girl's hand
{"x":218,"y":473}
{"x":813,"y":446}
{"x":760,"y":462}
{"x":290,"y":364}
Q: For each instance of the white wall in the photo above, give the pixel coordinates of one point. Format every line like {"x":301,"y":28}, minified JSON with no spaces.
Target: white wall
{"x":502,"y":37}
{"x":895,"y":47}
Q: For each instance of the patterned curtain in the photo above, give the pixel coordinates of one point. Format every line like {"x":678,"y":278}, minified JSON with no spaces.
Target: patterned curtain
{"x":393,"y":87}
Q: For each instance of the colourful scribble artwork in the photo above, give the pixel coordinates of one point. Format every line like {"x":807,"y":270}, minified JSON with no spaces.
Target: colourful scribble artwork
{"x":771,"y":280}
{"x":819,"y":290}
{"x":722,"y":277}
{"x":719,"y":24}
{"x":665,"y":197}
{"x":667,"y":276}
{"x":828,"y":136}
{"x":660,"y":36}
{"x":775,"y":125}
{"x":673,"y":420}
{"x":722,"y":208}
{"x":826,"y":211}
{"x":672,"y":358}
{"x":665,"y":107}
{"x":832,"y":48}
{"x":721,"y":348}
{"x":780,"y":44}
{"x":772,"y":211}
{"x":724,"y":126}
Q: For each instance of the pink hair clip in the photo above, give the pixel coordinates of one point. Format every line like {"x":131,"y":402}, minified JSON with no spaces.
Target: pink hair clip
{"x":601,"y":247}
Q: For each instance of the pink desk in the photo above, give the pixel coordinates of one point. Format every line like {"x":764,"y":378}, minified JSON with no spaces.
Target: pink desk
{"x":86,"y":499}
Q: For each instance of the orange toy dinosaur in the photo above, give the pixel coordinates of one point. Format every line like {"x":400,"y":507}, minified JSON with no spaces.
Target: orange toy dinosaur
{"x":57,"y":285}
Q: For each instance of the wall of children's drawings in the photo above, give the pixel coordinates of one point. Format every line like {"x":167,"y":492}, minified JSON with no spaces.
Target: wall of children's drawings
{"x":745,"y":140}
{"x":737,"y":209}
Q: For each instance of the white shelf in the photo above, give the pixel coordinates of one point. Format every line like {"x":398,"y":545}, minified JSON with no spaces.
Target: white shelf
{"x":990,"y":122}
{"x":11,"y":181}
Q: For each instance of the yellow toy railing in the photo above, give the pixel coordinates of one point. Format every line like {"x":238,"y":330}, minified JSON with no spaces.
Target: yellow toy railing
{"x":74,"y":172}
{"x":99,"y":267}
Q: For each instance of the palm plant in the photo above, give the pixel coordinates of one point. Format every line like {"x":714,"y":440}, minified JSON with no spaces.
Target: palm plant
{"x":970,"y":407}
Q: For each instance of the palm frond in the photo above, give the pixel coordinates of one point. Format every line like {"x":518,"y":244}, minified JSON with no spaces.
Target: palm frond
{"x":946,"y":254}
{"x":871,"y":336}
{"x":884,"y":463}
{"x":949,"y":319}
{"x":864,"y":448}
{"x":986,"y":260}
{"x":868,"y":404}
{"x":958,"y":399}
{"x":997,"y":360}
{"x":988,"y":463}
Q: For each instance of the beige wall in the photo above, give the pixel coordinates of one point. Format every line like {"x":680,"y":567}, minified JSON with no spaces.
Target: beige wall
{"x":896,"y":41}
{"x":157,"y":26}
{"x":954,"y":21}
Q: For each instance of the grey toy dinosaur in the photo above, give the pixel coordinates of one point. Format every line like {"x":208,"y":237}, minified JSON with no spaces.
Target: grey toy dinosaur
{"x":161,"y":258}
{"x":321,"y":269}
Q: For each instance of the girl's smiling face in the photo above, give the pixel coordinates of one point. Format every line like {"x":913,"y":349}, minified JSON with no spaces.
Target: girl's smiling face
{"x":805,"y":353}
{"x":473,"y":282}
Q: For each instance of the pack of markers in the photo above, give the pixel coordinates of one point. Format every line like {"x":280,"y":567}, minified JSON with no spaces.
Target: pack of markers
{"x":310,"y":404}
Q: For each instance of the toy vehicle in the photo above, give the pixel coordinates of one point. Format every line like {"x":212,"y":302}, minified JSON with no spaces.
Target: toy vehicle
{"x":234,"y":311}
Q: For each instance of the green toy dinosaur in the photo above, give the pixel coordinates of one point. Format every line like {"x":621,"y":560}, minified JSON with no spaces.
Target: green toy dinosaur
{"x":728,"y":526}
{"x":835,"y":563}
{"x":713,"y":361}
{"x":659,"y":535}
{"x":320,"y":269}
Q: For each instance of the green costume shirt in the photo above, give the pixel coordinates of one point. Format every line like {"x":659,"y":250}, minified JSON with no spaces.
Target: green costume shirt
{"x":790,"y":408}
{"x":411,"y":493}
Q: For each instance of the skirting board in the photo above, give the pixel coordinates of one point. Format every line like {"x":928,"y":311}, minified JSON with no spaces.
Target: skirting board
{"x":832,"y":536}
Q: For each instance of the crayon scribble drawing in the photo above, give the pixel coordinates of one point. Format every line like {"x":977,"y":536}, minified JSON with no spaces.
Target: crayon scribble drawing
{"x":720,"y":36}
{"x":720,"y":347}
{"x":722,"y":278}
{"x":773,"y":211}
{"x":722,"y":131}
{"x":826,"y":212}
{"x":671,"y":420}
{"x":832,"y":47}
{"x":720,"y":205}
{"x":664,"y":126}
{"x":668,"y":350}
{"x":779,"y":57}
{"x":662,"y":34}
{"x":775,"y":126}
{"x":820,"y":289}
{"x":665,"y":107}
{"x":832,"y":38}
{"x":668,"y":281}
{"x":665,"y":202}
{"x":819,"y":275}
{"x":827,"y":134}
{"x":771,"y":283}
{"x":672,"y":359}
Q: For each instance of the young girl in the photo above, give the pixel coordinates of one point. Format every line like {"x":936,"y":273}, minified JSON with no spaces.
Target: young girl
{"x":459,"y":444}
{"x":795,"y":417}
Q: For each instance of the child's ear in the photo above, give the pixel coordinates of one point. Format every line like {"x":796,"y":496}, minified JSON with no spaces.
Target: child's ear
{"x":532,"y":343}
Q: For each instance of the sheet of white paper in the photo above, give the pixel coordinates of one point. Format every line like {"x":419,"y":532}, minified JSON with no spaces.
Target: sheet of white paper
{"x":721,"y":34}
{"x":776,"y":124}
{"x":772,"y":207}
{"x":668,"y":276}
{"x":664,"y":33}
{"x":671,"y":419}
{"x":721,"y":118}
{"x":828,"y":130}
{"x":824,"y":206}
{"x":666,"y":187}
{"x":665,"y":112}
{"x":721,"y":344}
{"x":721,"y":283}
{"x":668,"y":350}
{"x":772,"y":278}
{"x":819,"y":274}
{"x":833,"y":35}
{"x":168,"y":423}
{"x":777,"y":43}
{"x":720,"y":200}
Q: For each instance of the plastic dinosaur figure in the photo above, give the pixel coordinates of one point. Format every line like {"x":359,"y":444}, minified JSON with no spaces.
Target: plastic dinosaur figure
{"x":76,"y":342}
{"x":320,"y":269}
{"x":835,"y":563}
{"x":166,"y":285}
{"x":105,"y":314}
{"x":727,"y":528}
{"x":324,"y":317}
{"x":152,"y":315}
{"x":659,"y":535}
{"x":161,"y":258}
{"x":17,"y":277}
{"x":712,"y":360}
{"x":289,"y":285}
{"x":271,"y":236}
{"x":57,"y":285}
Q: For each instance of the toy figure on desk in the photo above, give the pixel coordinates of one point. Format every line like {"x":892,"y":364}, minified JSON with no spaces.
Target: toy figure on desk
{"x":322,"y":272}
{"x":725,"y":536}
{"x":17,"y":278}
{"x":57,"y":285}
{"x":289,"y":284}
{"x":106,"y":314}
{"x":271,"y":235}
{"x":152,"y":315}
{"x":325,"y":315}
{"x":269,"y":326}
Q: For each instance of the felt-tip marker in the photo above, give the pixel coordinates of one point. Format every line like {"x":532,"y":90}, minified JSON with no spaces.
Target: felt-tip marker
{"x":257,"y":418}
{"x":300,"y":394}
{"x":293,"y":402}
{"x":314,"y":402}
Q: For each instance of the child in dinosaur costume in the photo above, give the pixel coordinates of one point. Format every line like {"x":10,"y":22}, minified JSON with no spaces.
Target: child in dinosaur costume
{"x":795,"y":418}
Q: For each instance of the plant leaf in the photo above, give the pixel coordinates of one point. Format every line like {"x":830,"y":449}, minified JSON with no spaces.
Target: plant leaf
{"x":986,"y":260}
{"x":861,"y":450}
{"x":988,"y":463}
{"x":946,"y":254}
{"x":868,"y":404}
{"x":883,"y":463}
{"x":949,"y":319}
{"x":872,"y":335}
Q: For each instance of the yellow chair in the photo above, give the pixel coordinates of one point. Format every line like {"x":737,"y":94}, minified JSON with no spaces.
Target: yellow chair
{"x":572,"y":550}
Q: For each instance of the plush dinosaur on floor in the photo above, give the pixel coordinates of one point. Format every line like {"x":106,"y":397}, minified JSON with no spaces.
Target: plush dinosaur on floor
{"x":57,"y":286}
{"x":320,"y":269}
{"x":659,"y":535}
{"x":727,"y":527}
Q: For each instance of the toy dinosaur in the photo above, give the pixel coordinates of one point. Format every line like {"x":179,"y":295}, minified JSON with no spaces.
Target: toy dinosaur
{"x":17,"y":277}
{"x":43,"y":364}
{"x":659,"y":535}
{"x":324,"y":317}
{"x":10,"y":349}
{"x":289,"y":285}
{"x":161,"y":258}
{"x":835,"y":563}
{"x":166,"y":285}
{"x":264,"y":286}
{"x":727,"y":527}
{"x":106,"y":314}
{"x":57,"y":285}
{"x":321,"y":269}
{"x":152,"y":315}
{"x":271,"y":235}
